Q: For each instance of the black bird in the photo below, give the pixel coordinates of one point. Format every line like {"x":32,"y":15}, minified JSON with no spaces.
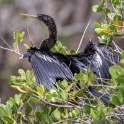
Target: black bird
{"x":49,"y":66}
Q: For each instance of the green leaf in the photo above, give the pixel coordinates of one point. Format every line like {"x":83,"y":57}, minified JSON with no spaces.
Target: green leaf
{"x":91,"y":76}
{"x":9,"y":120}
{"x":3,"y":111}
{"x":98,"y":30}
{"x":16,"y":35}
{"x":64,"y":94}
{"x":120,"y":96}
{"x":15,"y":111}
{"x":9,"y":106}
{"x":64,"y":84}
{"x":35,"y":100}
{"x":73,"y":52}
{"x":15,"y":46}
{"x":22,"y":73}
{"x":26,"y":46}
{"x":76,"y":112}
{"x":87,"y":109}
{"x":95,"y":8}
{"x":119,"y":81}
{"x":52,"y":91}
{"x":17,"y":98}
{"x":98,"y":8}
{"x":116,"y":71}
{"x":46,"y":118}
{"x":122,"y":54}
{"x":73,"y":113}
{"x":25,"y":97}
{"x":121,"y":63}
{"x":115,"y":2}
{"x":78,"y":76}
{"x":107,"y":39}
{"x":97,"y":25}
{"x":56,"y":114}
{"x":112,"y":15}
{"x":80,"y":92}
{"x":115,"y":21}
{"x":21,"y":36}
{"x":118,"y":34}
{"x":58,"y":47}
{"x":109,"y":110}
{"x":28,"y":109}
{"x":100,"y":111}
{"x":114,"y":99}
{"x":102,"y":2}
{"x":40,"y":90}
{"x":48,"y":97}
{"x":38,"y":114}
{"x":94,"y":113}
{"x":106,"y":10}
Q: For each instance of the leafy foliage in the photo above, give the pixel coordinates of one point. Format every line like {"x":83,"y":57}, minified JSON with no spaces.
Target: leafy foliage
{"x":64,"y":103}
{"x":113,"y":26}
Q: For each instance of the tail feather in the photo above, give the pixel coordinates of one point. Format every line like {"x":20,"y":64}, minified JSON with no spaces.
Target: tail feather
{"x":102,"y":96}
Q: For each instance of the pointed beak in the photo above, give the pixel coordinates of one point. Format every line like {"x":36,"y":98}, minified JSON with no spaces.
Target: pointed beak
{"x":21,"y":57}
{"x":29,"y":16}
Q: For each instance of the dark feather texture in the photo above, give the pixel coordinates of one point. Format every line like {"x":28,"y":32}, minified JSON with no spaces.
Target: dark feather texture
{"x":47,"y":69}
{"x":99,"y":59}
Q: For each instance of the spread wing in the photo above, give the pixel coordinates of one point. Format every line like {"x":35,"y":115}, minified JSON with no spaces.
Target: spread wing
{"x":47,"y":70}
{"x":99,"y":59}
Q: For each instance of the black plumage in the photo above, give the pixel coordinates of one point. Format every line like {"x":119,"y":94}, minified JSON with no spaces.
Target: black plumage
{"x":49,"y":66}
{"x":99,"y":58}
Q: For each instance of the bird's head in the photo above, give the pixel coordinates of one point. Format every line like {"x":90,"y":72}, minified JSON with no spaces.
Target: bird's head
{"x":29,"y":53}
{"x":48,"y":20}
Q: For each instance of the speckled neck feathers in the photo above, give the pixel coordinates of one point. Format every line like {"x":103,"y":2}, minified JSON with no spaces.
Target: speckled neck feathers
{"x":47,"y":44}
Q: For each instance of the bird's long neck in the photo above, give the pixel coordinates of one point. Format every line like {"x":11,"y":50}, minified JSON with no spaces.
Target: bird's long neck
{"x":47,"y":44}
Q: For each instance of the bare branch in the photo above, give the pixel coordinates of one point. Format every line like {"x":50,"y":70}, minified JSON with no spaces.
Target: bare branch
{"x":9,"y":47}
{"x":11,"y":50}
{"x":117,"y":48}
{"x":6,"y":42}
{"x":83,"y":34}
{"x":29,"y":36}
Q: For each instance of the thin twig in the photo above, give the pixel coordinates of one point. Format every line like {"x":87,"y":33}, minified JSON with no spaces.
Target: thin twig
{"x":113,"y":87}
{"x":30,"y":36}
{"x":106,"y":58}
{"x":83,"y":34}
{"x":18,"y":48}
{"x":65,"y":101}
{"x":6,"y":42}
{"x":57,"y":105}
{"x":118,"y":48}
{"x":70,"y":119}
{"x":63,"y":106}
{"x":11,"y":50}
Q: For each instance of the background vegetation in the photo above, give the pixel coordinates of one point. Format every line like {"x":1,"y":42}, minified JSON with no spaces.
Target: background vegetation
{"x":71,"y":17}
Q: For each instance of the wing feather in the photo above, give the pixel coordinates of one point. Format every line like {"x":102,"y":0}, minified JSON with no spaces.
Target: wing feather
{"x":99,"y":59}
{"x":47,"y":70}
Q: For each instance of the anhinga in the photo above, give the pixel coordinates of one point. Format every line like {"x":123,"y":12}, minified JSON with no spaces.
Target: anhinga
{"x":49,"y":66}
